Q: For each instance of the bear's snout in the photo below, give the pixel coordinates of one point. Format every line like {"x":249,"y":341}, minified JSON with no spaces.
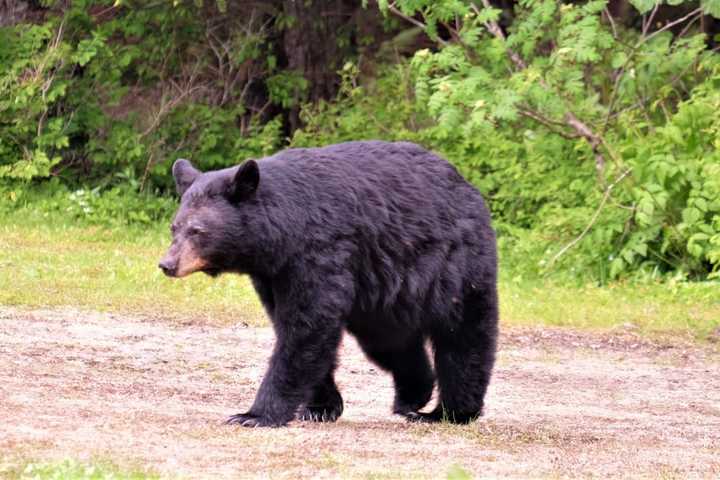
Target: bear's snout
{"x":182,"y":259}
{"x":169,"y":267}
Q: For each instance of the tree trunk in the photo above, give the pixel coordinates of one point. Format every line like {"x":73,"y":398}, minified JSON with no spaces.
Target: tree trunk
{"x":315,"y":44}
{"x":12,"y":12}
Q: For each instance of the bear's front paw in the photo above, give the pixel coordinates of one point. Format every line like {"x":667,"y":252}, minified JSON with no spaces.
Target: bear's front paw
{"x":407,"y":409}
{"x":251,"y":421}
{"x":320,"y":414}
{"x":439,"y":415}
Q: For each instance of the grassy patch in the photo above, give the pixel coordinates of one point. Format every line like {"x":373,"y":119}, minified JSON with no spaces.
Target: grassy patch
{"x":47,"y":261}
{"x":61,"y":264}
{"x":70,"y":470}
{"x":689,"y":308}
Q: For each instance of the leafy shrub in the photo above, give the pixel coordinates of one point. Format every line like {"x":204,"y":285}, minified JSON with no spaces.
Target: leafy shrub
{"x":99,"y":88}
{"x":33,"y":63}
{"x":117,"y":206}
{"x":674,"y":222}
{"x":595,"y":140}
{"x":381,"y":109}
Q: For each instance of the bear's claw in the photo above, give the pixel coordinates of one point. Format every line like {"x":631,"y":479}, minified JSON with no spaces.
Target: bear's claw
{"x":319,"y":414}
{"x":250,"y":421}
{"x":419,"y":417}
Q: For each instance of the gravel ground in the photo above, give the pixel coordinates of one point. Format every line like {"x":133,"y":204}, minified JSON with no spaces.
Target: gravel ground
{"x":147,"y":392}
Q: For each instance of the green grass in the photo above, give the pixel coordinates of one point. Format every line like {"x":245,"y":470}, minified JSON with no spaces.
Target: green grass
{"x":689,"y":308}
{"x":46,"y":261}
{"x":70,"y":470}
{"x":48,"y":264}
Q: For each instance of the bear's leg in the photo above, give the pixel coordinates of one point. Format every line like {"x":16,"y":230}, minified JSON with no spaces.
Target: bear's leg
{"x":310,"y":302}
{"x":326,"y":404}
{"x":464,"y":358}
{"x":300,"y":362}
{"x":411,"y":371}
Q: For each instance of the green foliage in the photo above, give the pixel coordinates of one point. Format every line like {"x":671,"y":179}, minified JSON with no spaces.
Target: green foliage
{"x":118,"y":206}
{"x":32,"y":130}
{"x":382,"y":109}
{"x":287,"y":88}
{"x":675,"y":221}
{"x":595,"y":144}
{"x":131,"y":90}
{"x":456,"y":472}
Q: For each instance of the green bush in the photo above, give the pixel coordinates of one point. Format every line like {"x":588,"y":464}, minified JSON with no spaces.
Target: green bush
{"x":118,"y":206}
{"x":33,"y":70}
{"x":596,"y":141}
{"x":85,"y":96}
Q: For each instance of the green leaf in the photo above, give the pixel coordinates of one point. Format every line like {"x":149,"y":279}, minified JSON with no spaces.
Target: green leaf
{"x":674,"y":134}
{"x":691,"y":215}
{"x":643,"y":6}
{"x":617,"y":266}
{"x":697,"y":237}
{"x":695,"y":249}
{"x":711,"y":7}
{"x":619,"y":59}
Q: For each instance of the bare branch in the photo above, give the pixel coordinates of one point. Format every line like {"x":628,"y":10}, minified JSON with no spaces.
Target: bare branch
{"x":593,"y":139}
{"x":594,"y":218}
{"x":415,"y":22}
{"x":168,"y":102}
{"x":648,"y":21}
{"x":610,"y":18}
{"x":495,"y":29}
{"x":687,"y":27}
{"x":697,"y":11}
{"x":553,"y":126}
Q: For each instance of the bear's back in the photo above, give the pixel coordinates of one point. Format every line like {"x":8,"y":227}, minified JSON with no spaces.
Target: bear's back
{"x":374,"y":178}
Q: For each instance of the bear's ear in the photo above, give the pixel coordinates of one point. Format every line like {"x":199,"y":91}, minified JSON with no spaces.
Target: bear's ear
{"x":245,"y":181}
{"x":185,"y":174}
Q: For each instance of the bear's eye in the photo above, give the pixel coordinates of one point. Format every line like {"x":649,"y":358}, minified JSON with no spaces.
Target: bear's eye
{"x":194,"y":231}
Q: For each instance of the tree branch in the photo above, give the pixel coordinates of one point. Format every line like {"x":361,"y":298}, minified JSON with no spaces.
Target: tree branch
{"x":551,"y":125}
{"x":648,"y":21}
{"x":697,"y":11}
{"x":417,"y":23}
{"x":594,"y":218}
{"x":494,"y":28}
{"x":609,"y":16}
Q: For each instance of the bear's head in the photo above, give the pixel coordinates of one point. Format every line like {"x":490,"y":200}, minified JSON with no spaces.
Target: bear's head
{"x":212,"y":231}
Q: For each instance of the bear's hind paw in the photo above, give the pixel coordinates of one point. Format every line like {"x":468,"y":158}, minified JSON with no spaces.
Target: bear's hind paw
{"x":420,"y":417}
{"x":441,"y":416}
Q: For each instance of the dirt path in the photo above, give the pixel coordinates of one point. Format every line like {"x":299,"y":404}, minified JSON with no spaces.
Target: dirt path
{"x":148,"y":393}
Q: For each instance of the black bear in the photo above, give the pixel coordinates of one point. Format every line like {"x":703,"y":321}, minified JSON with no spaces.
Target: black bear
{"x":386,"y":240}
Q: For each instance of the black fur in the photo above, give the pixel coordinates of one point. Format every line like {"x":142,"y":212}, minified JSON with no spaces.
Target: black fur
{"x":385,"y":240}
